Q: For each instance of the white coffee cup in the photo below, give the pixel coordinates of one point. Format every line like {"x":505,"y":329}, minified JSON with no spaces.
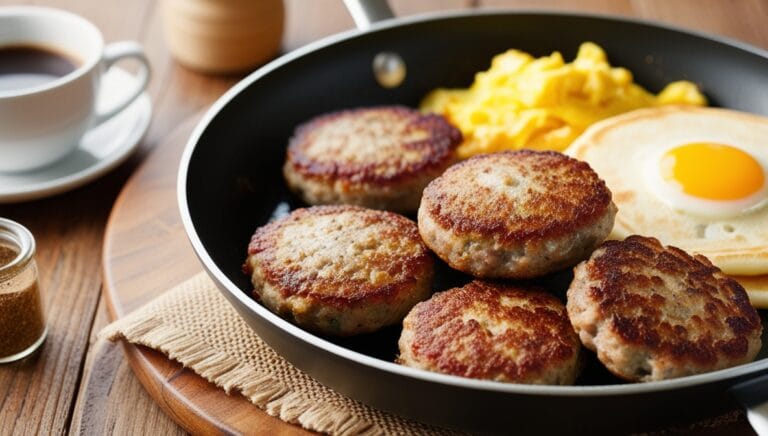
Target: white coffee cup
{"x":41,"y":124}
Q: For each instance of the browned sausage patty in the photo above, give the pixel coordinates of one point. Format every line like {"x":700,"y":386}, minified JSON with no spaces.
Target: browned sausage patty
{"x":654,"y":313}
{"x":516,"y":214}
{"x":379,"y":157}
{"x":340,"y":270}
{"x":492,"y":331}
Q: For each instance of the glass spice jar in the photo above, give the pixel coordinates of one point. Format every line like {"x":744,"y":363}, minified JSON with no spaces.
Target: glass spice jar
{"x":22,"y":323}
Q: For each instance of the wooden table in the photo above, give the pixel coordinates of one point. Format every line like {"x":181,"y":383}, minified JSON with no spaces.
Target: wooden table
{"x":48,"y":393}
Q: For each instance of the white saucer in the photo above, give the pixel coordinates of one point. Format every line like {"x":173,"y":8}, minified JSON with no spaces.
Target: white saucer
{"x":101,"y":149}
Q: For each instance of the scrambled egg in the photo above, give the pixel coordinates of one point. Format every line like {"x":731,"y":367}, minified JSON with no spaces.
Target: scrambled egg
{"x":545,"y":103}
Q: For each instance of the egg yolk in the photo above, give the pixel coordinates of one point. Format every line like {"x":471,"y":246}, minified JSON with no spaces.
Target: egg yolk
{"x":713,"y":171}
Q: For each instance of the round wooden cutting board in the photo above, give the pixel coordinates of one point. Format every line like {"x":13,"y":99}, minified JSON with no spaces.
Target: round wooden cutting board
{"x":145,"y":253}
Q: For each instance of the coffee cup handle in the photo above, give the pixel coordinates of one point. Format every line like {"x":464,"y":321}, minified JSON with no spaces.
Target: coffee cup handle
{"x":113,"y":53}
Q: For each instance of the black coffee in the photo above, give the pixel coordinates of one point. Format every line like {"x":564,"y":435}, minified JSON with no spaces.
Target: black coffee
{"x":28,"y":66}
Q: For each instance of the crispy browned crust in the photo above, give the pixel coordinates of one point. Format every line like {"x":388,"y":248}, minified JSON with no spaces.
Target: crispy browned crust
{"x":675,"y":308}
{"x":562,"y":195}
{"x":418,"y":143}
{"x":339,"y":290}
{"x":469,"y":332}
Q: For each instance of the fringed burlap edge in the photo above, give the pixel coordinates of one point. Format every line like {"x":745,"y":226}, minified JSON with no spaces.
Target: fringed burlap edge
{"x":231,"y":375}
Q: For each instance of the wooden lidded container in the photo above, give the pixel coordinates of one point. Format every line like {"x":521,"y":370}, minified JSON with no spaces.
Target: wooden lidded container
{"x":223,"y":36}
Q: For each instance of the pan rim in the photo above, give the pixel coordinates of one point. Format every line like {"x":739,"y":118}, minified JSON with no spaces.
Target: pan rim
{"x":224,"y":284}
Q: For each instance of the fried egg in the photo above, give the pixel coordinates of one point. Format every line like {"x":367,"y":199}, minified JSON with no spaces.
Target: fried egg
{"x":708,"y":179}
{"x":695,"y":178}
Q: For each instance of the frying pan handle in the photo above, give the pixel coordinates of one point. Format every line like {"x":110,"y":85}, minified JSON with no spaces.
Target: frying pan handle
{"x":367,"y":12}
{"x":753,"y":395}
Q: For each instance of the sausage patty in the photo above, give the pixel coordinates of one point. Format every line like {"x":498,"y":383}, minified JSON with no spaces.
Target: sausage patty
{"x":340,"y":270}
{"x":654,"y":313}
{"x":516,"y":214}
{"x":493,"y":331}
{"x":379,"y":157}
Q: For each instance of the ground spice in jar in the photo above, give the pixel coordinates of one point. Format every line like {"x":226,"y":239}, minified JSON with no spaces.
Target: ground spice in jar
{"x":22,"y":321}
{"x":7,"y":254}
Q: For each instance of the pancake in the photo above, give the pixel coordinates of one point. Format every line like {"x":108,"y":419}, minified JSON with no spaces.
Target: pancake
{"x":757,"y":289}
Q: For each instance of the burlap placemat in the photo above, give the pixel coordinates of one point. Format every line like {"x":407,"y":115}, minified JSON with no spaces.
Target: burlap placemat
{"x":195,"y":325}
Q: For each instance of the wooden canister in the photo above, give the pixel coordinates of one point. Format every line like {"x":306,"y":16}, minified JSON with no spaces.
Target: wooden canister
{"x":223,"y":36}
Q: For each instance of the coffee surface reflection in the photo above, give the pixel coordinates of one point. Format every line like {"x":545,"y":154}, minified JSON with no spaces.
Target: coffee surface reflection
{"x":27,"y":66}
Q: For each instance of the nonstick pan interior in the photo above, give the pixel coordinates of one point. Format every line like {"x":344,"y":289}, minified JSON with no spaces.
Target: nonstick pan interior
{"x":231,"y":181}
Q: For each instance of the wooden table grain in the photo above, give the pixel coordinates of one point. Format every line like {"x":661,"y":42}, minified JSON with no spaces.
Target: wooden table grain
{"x":72,"y":385}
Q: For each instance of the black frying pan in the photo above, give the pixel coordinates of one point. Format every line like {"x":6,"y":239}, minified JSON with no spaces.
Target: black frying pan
{"x":230,"y":182}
